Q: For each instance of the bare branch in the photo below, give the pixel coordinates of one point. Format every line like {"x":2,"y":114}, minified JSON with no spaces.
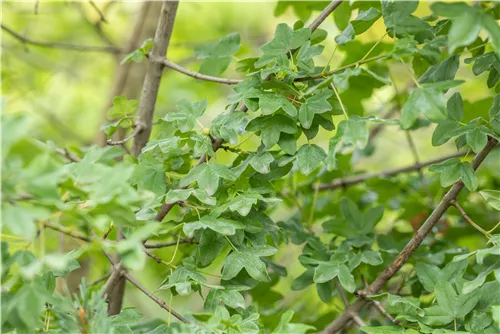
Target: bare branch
{"x":157,"y":300}
{"x":99,"y":280}
{"x":324,"y":14}
{"x":136,"y":131}
{"x":410,"y":247}
{"x":65,"y":153}
{"x":66,"y":46}
{"x":153,"y":75}
{"x":101,"y":15}
{"x":67,"y":231}
{"x":469,"y":220}
{"x":170,"y":244}
{"x":196,"y":75}
{"x":351,"y":180}
{"x":116,"y":273}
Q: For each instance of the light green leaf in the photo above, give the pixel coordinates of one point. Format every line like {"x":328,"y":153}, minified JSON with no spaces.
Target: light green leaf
{"x":309,"y":157}
{"x":248,"y":258}
{"x":122,"y":107}
{"x":430,"y":102}
{"x":220,"y":225}
{"x":492,"y":197}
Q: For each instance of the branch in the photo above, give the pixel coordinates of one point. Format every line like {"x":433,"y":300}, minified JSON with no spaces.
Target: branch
{"x":351,"y":180}
{"x":66,"y":46}
{"x":469,"y":220}
{"x":65,"y":153}
{"x":116,"y":273}
{"x":101,"y":15}
{"x":324,"y":14}
{"x":136,"y":131}
{"x":99,"y":280}
{"x":157,"y":300}
{"x":153,"y":75}
{"x":67,"y":231}
{"x":129,"y":77}
{"x":410,"y":247}
{"x":169,"y":244}
{"x":167,"y":63}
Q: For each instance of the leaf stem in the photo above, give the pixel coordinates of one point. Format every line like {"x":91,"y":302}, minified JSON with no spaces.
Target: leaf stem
{"x":411,"y":74}
{"x":230,"y":243}
{"x":373,"y":47}
{"x":340,"y":101}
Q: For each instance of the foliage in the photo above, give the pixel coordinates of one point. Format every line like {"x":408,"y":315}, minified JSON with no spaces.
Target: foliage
{"x":251,"y":190}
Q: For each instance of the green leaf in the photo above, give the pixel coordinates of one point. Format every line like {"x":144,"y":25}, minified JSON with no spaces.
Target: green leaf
{"x":210,"y":246}
{"x":122,"y":106}
{"x":248,"y":258}
{"x":452,"y":170}
{"x":231,"y":298}
{"x":354,"y":131}
{"x":492,"y":197}
{"x":346,"y":279}
{"x":217,"y":57}
{"x":364,"y":20}
{"x":309,"y":157}
{"x":207,"y":175}
{"x":269,"y":102}
{"x":186,"y":115}
{"x":455,"y":107}
{"x":316,"y":104}
{"x":383,"y":330}
{"x":430,"y":102}
{"x":465,"y":29}
{"x":477,"y":140}
{"x":285,"y":39}
{"x":261,"y":162}
{"x":398,"y":19}
{"x":219,"y":225}
{"x":342,"y":15}
{"x":285,"y":326}
{"x":21,"y":220}
{"x":458,"y":306}
{"x":271,"y":127}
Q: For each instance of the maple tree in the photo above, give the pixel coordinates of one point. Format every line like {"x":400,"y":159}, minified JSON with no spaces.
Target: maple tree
{"x":223,"y":222}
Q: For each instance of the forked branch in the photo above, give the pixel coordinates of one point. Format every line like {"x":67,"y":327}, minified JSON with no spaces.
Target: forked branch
{"x":410,"y":247}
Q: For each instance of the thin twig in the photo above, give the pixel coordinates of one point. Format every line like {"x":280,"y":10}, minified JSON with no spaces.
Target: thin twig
{"x":167,"y":63}
{"x":137,"y":130}
{"x":99,"y":280}
{"x":64,"y":152}
{"x":66,"y":46}
{"x":379,"y":306}
{"x":169,"y":244}
{"x":469,"y":220}
{"x":324,"y":14}
{"x":351,"y":180}
{"x":67,"y":231}
{"x":410,"y":247}
{"x":99,"y":12}
{"x":157,"y":300}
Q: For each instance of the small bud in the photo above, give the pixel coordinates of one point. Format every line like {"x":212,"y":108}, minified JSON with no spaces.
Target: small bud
{"x":206,"y":131}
